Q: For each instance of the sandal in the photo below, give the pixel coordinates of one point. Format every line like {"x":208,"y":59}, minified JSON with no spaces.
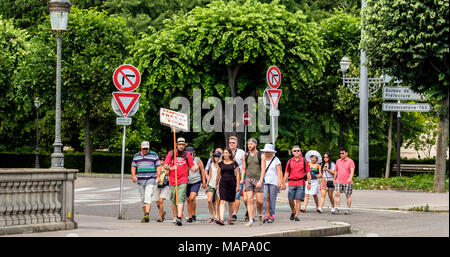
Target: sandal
{"x":231,"y":222}
{"x":220,"y":222}
{"x":211,"y":220}
{"x":303,"y":210}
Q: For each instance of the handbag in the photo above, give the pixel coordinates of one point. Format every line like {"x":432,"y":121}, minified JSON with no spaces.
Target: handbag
{"x":329,"y":182}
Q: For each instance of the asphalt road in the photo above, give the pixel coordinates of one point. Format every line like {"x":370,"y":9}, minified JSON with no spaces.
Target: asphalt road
{"x":374,"y":213}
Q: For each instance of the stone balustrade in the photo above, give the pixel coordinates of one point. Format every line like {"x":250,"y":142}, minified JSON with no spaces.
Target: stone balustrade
{"x":35,"y":200}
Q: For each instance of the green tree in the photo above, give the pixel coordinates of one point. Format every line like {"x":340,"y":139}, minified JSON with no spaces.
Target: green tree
{"x":226,"y":48}
{"x":94,"y":45}
{"x":14,"y":47}
{"x":409,"y":40}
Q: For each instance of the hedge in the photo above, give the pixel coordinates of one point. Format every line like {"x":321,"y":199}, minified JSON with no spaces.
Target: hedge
{"x":111,"y":162}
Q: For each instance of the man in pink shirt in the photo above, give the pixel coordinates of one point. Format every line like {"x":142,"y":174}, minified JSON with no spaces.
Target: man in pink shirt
{"x":343,"y":178}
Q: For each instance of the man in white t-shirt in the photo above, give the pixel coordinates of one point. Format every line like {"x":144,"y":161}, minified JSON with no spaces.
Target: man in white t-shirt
{"x":238,"y":157}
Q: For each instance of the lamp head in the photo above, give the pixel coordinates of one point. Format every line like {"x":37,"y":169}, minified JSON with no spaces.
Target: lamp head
{"x":345,"y":64}
{"x":59,"y":14}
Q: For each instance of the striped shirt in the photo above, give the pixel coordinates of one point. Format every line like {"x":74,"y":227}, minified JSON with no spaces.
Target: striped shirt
{"x":146,"y":167}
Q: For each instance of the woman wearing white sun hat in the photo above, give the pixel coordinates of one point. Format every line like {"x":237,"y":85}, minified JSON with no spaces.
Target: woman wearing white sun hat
{"x":273,"y":181}
{"x":314,"y":158}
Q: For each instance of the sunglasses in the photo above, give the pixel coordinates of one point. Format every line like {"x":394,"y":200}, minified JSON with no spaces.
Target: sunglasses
{"x":295,"y":151}
{"x":145,"y":149}
{"x":341,"y":153}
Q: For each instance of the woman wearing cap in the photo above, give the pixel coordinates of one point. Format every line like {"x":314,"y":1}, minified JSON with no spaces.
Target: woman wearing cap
{"x":273,"y":181}
{"x":313,"y":187}
{"x":228,"y":175}
{"x":213,"y":204}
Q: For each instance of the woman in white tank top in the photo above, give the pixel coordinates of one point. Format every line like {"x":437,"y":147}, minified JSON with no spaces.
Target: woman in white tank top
{"x":213,"y":203}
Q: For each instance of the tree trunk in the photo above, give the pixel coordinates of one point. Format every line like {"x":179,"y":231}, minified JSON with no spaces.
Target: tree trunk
{"x":232,"y":74}
{"x":442,"y":145}
{"x":388,"y":159}
{"x":87,"y":144}
{"x":341,"y":135}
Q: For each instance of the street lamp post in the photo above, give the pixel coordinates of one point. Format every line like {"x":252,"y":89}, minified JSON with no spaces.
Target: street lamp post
{"x":363,"y":87}
{"x":36,"y":104}
{"x":59,"y":18}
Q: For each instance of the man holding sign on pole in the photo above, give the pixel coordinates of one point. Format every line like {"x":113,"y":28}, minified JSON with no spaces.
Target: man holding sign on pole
{"x":178,"y":176}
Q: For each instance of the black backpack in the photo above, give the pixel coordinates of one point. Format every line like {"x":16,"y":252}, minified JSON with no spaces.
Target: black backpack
{"x":185,"y":157}
{"x":289,"y":168}
{"x":248,"y":153}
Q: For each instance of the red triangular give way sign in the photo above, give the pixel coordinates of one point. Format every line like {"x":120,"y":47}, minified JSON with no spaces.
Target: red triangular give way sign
{"x":126,"y":101}
{"x":274,"y":95}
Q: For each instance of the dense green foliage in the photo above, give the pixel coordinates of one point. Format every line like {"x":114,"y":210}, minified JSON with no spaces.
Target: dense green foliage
{"x":222,"y":47}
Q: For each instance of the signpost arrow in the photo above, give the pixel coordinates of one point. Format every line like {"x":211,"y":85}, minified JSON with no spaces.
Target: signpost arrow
{"x":401,"y":93}
{"x":405,"y":107}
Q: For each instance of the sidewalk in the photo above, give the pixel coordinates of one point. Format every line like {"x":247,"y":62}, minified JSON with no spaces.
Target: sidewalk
{"x":365,"y":202}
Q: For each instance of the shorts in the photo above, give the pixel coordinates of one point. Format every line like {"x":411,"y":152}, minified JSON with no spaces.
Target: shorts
{"x":240,"y":193}
{"x":296,"y":192}
{"x":181,"y":194}
{"x":161,"y":193}
{"x":193,"y":188}
{"x":250,"y":185}
{"x":211,"y":189}
{"x":146,"y":192}
{"x":323,"y":185}
{"x":314,"y":187}
{"x":344,"y":188}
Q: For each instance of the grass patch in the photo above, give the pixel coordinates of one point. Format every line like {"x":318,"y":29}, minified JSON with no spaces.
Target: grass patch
{"x":421,"y":182}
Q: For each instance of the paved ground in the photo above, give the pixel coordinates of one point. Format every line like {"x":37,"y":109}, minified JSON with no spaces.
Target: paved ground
{"x":375,"y":213}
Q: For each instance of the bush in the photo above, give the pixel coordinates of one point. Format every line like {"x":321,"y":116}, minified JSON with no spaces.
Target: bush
{"x":422,"y":182}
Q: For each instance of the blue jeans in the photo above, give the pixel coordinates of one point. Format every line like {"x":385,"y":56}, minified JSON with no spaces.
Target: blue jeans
{"x":272,"y":190}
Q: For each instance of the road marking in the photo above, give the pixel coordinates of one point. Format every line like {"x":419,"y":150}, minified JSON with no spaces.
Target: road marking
{"x":84,"y":189}
{"x":112,"y":189}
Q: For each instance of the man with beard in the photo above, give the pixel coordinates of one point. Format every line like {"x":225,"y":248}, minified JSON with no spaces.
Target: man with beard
{"x":253,"y":176}
{"x":183,"y":159}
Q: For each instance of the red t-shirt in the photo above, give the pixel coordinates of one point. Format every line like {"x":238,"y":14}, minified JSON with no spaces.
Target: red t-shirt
{"x":343,"y":170}
{"x":297,"y":171}
{"x":182,"y":171}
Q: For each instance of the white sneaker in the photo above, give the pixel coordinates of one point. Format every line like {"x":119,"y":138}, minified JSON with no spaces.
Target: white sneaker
{"x":249,"y":223}
{"x":319,"y":210}
{"x":337,"y":211}
{"x":333,"y":210}
{"x":348,"y":212}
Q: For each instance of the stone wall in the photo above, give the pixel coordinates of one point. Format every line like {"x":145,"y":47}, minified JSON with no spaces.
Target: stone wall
{"x":35,"y":200}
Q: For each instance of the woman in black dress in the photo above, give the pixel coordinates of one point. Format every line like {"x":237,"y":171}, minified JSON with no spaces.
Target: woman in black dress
{"x":228,"y":175}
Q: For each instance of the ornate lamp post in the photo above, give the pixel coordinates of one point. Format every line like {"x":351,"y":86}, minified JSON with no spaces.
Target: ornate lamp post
{"x":363,"y":87}
{"x":36,"y":104}
{"x":59,"y":18}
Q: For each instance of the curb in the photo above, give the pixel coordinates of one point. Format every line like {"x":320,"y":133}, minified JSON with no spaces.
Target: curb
{"x":333,"y":229}
{"x":90,"y":175}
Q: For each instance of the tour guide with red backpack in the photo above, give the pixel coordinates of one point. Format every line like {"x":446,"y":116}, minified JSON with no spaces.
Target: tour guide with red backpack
{"x":297,"y":171}
{"x":180,"y":182}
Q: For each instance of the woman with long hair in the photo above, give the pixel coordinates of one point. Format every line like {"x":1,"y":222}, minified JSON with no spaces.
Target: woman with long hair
{"x":327,"y":184}
{"x":213,"y":203}
{"x":228,"y":175}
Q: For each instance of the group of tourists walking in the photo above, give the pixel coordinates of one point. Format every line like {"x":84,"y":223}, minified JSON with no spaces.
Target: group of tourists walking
{"x":231,"y":174}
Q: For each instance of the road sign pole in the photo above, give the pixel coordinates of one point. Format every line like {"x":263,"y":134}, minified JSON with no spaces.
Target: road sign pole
{"x":363,"y":114}
{"x":121,"y":171}
{"x":398,"y":141}
{"x":272,"y":120}
{"x":245,"y":138}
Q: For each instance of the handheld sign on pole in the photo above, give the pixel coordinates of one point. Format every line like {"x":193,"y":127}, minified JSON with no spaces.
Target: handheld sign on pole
{"x":175,"y":120}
